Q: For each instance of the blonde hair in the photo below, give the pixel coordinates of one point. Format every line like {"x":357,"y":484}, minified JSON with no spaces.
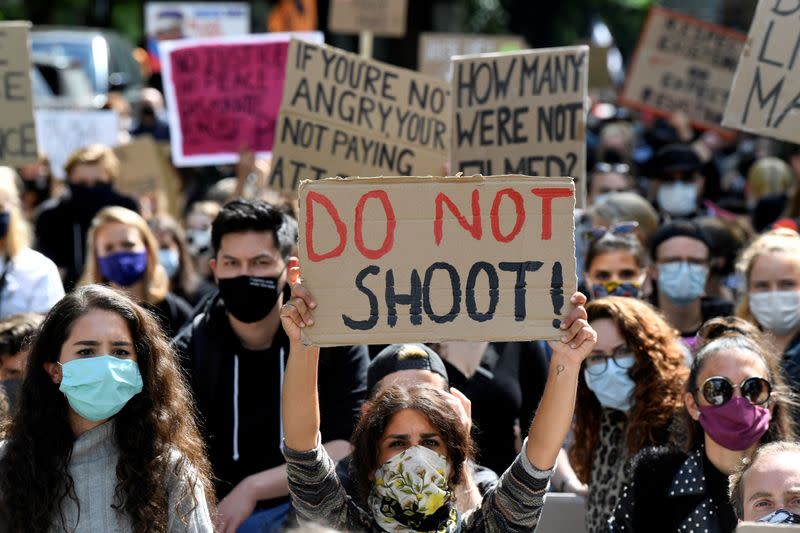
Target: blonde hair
{"x":18,"y":236}
{"x":778,"y":241}
{"x":625,"y":206}
{"x":156,"y":281}
{"x":92,"y":155}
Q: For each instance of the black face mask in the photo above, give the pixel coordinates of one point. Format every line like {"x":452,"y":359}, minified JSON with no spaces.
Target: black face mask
{"x":249,"y":298}
{"x":781,"y":516}
{"x":91,"y":197}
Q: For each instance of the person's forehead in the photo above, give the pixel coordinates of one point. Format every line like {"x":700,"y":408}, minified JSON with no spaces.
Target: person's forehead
{"x":775,"y":472}
{"x":683,"y":245}
{"x":258,"y":242}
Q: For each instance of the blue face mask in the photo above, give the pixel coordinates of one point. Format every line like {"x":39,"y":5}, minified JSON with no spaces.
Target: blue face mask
{"x":681,"y":281}
{"x":123,"y":268}
{"x":614,"y":387}
{"x":97,"y":388}
{"x":170,"y":260}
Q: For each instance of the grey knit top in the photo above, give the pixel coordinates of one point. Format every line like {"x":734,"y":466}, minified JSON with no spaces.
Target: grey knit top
{"x":93,"y":468}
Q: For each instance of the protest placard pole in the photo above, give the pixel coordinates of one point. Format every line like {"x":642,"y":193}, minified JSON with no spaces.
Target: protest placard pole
{"x":365,"y":39}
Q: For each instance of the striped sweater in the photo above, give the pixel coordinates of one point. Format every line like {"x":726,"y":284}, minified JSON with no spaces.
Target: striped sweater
{"x":513,"y":505}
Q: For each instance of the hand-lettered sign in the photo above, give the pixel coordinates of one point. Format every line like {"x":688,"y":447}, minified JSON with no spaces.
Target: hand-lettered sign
{"x":223,"y":95}
{"x":343,"y":115}
{"x":765,"y":96}
{"x":426,"y":259}
{"x":382,"y":18}
{"x":17,"y":129}
{"x":145,"y":173}
{"x":61,"y":132}
{"x":682,"y":64}
{"x":521,"y":113}
{"x":436,"y":49}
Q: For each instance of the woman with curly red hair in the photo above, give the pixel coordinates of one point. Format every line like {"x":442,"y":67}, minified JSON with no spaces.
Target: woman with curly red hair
{"x":630,"y":388}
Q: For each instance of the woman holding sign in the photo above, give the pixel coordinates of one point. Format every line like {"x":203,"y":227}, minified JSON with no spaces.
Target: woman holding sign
{"x":409,"y":446}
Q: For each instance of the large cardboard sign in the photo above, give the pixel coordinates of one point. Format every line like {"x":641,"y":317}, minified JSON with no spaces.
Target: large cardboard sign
{"x":765,"y":97}
{"x":166,"y":21}
{"x":17,"y":129}
{"x":682,"y":64}
{"x":61,"y":132}
{"x":224,"y":94}
{"x":382,"y":18}
{"x":145,"y":174}
{"x":521,"y":113}
{"x":427,"y":259}
{"x":753,"y":527}
{"x":343,"y":115}
{"x":436,"y":49}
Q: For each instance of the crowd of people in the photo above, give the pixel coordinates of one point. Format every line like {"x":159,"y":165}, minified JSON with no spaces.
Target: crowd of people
{"x":153,"y":376}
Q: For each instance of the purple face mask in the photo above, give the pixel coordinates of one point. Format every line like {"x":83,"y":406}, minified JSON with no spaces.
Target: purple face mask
{"x":737,"y":424}
{"x":123,"y":268}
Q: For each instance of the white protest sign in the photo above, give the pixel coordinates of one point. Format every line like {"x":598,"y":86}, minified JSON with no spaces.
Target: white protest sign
{"x":59,"y":133}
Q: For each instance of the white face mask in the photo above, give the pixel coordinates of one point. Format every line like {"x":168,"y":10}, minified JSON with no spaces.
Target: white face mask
{"x":776,"y":311}
{"x":678,"y":199}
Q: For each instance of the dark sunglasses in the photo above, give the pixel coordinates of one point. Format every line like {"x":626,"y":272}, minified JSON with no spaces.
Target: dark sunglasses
{"x":718,"y":390}
{"x":620,"y":228}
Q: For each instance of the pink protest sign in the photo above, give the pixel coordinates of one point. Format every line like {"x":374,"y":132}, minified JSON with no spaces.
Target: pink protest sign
{"x":224,"y":95}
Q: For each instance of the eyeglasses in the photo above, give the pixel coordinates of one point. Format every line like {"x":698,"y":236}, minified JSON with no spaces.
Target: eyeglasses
{"x":596,"y":364}
{"x":616,"y":168}
{"x":619,"y":228}
{"x":718,"y":390}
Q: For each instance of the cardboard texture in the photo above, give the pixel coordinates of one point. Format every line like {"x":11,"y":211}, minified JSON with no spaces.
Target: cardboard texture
{"x":427,"y":259}
{"x":382,"y":18}
{"x":17,"y":131}
{"x":145,"y":173}
{"x":61,"y":132}
{"x":682,"y":64}
{"x":751,"y":527}
{"x":521,"y":113}
{"x":765,"y":96}
{"x":343,"y":115}
{"x":436,"y":49}
{"x":223,"y":95}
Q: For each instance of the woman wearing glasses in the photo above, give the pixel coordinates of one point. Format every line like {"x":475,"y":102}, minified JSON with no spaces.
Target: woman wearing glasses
{"x":735,"y":400}
{"x":630,"y":388}
{"x":616,"y":263}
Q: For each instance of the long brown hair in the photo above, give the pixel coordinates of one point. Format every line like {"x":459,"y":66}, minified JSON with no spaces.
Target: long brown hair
{"x":659,"y":374}
{"x":153,"y":428}
{"x":377,"y":416}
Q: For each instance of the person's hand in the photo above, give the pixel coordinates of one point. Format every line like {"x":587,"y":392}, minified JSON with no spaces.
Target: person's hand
{"x":296,"y":313}
{"x":578,"y":339}
{"x":247,"y":163}
{"x":462,"y":406}
{"x":574,"y":485}
{"x":235,"y":508}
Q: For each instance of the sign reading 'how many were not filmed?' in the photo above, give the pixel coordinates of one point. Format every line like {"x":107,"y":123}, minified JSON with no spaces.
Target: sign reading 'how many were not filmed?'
{"x":521,"y":113}
{"x":765,"y":97}
{"x":426,"y":259}
{"x":343,"y":115}
{"x":17,"y":129}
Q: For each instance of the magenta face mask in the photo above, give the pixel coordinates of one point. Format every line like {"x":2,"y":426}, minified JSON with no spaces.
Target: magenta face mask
{"x":737,"y":424}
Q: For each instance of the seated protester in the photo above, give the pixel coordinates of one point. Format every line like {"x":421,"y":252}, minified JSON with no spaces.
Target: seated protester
{"x":681,"y":253}
{"x":63,"y":222}
{"x":410,"y":445}
{"x":29,"y":281}
{"x":105,"y":437}
{"x":629,"y":392}
{"x":410,"y":365}
{"x":735,"y":400}
{"x":767,"y":487}
{"x":124,"y":254}
{"x":16,"y":333}
{"x":770,"y":267}
{"x":234,"y":353}
{"x":616,"y":263}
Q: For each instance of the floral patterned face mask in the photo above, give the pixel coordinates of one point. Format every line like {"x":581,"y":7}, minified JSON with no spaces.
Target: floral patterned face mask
{"x":411,"y":493}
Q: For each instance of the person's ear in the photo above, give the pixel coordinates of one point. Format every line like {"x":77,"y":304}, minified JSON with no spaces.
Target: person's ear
{"x":54,"y":371}
{"x":691,"y":406}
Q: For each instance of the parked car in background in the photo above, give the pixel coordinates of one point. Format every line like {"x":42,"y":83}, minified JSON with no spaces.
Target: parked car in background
{"x":105,"y":57}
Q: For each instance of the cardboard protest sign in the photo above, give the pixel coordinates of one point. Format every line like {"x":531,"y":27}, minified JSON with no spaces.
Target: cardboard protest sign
{"x":144,"y":173}
{"x":224,"y":95}
{"x":343,"y":115}
{"x":765,"y":96}
{"x":17,"y":130}
{"x":382,"y":18}
{"x":682,"y":64}
{"x":166,"y":21}
{"x":752,"y":527}
{"x":61,"y":132}
{"x":426,"y":259}
{"x":436,"y":49}
{"x":521,"y":113}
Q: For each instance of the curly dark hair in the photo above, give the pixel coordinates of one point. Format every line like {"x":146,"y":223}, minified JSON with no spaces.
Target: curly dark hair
{"x":154,"y":425}
{"x":377,"y":416}
{"x":659,"y":374}
{"x":726,"y":334}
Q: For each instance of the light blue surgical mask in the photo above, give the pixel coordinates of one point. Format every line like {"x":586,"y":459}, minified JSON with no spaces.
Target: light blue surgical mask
{"x":170,"y":259}
{"x":98,"y":387}
{"x":681,"y":281}
{"x":613,"y":387}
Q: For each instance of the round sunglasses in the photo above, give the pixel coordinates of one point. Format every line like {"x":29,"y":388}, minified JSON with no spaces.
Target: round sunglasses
{"x":718,"y":390}
{"x":626,"y":227}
